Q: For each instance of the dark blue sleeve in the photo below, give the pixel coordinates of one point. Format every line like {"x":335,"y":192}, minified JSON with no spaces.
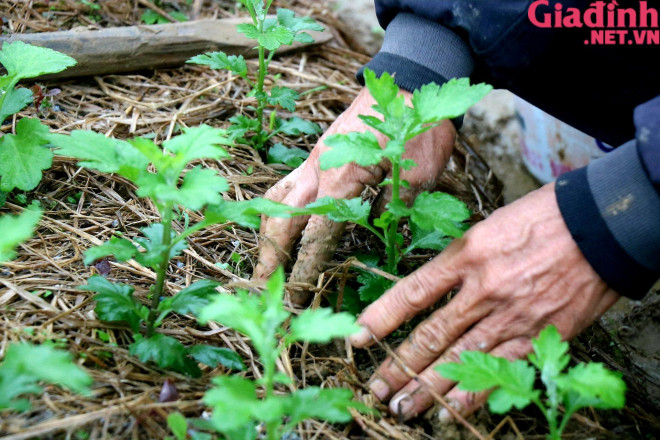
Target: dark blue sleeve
{"x":612,"y":208}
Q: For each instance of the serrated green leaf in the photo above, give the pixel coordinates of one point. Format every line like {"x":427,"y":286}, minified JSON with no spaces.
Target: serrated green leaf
{"x":152,"y":242}
{"x":595,"y":385}
{"x":427,"y":239}
{"x":304,"y":38}
{"x":321,"y":326}
{"x":200,"y":187}
{"x":441,"y":212}
{"x":25,"y":365}
{"x":122,"y":249}
{"x":214,"y":356}
{"x":296,"y":126}
{"x":14,"y":101}
{"x":284,"y":97}
{"x":360,"y":148}
{"x":257,"y":317}
{"x":166,"y":352}
{"x":514,"y":381}
{"x":23,"y":60}
{"x":15,"y":230}
{"x":433,"y":103}
{"x":241,"y":312}
{"x":341,"y":210}
{"x":191,"y":299}
{"x":104,"y":154}
{"x":372,"y":286}
{"x":201,"y":142}
{"x":115,"y":302}
{"x":293,"y":157}
{"x":249,"y":30}
{"x":233,"y":395}
{"x":383,"y":89}
{"x":23,"y":156}
{"x":248,"y":212}
{"x":550,"y":353}
{"x":178,"y":424}
{"x":288,"y":19}
{"x":275,"y":36}
{"x":328,"y":404}
{"x":220,"y":60}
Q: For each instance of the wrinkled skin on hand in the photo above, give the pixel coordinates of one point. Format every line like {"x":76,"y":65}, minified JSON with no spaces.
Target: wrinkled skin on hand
{"x":307,"y":183}
{"x":517,"y":271}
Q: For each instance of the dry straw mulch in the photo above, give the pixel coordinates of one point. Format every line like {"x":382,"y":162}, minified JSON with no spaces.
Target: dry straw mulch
{"x":38,"y":293}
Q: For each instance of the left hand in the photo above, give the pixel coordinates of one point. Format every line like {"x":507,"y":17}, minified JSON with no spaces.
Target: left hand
{"x":518,"y":271}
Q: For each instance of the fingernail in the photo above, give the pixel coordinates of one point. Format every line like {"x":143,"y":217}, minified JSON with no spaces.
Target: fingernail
{"x":445,"y":417}
{"x":362,"y":338}
{"x":402,"y":406}
{"x":379,"y":388}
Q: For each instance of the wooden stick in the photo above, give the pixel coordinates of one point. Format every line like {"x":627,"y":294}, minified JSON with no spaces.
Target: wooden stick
{"x":131,"y":48}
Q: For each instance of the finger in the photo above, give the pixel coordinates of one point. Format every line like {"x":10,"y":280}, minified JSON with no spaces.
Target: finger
{"x":431,"y":339}
{"x":321,"y":234}
{"x":417,"y":395}
{"x":316,"y":248}
{"x":465,"y":402}
{"x":280,"y":190}
{"x":416,"y":292}
{"x":278,"y":235}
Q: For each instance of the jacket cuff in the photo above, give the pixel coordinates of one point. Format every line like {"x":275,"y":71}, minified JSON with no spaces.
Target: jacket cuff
{"x":612,"y":210}
{"x":418,"y":51}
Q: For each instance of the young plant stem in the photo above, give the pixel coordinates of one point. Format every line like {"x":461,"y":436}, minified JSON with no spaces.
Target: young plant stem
{"x":554,"y":434}
{"x":269,"y":388}
{"x":392,"y":227}
{"x":552,"y":408}
{"x":260,"y":91}
{"x":162,"y":270}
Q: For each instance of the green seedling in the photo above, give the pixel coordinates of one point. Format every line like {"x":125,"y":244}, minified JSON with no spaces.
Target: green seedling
{"x":434,"y":218}
{"x":270,"y":34}
{"x":512,"y":382}
{"x":26,"y":365}
{"x":237,"y":409}
{"x":23,"y":155}
{"x":161,"y":175}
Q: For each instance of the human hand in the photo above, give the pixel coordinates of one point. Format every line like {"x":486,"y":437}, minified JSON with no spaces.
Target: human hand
{"x":430,"y":150}
{"x":518,"y":271}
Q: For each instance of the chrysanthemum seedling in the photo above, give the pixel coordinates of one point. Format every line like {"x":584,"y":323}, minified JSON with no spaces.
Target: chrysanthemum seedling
{"x":433,"y":217}
{"x":269,"y":34}
{"x":163,"y":175}
{"x":512,"y":382}
{"x":237,"y":409}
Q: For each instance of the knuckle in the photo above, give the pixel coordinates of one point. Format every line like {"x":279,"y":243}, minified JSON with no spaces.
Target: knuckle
{"x":419,"y":291}
{"x":429,"y":338}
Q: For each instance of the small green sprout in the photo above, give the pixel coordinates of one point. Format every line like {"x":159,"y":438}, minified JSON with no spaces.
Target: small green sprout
{"x":269,"y":34}
{"x":434,"y":218}
{"x":264,"y":319}
{"x":581,"y":386}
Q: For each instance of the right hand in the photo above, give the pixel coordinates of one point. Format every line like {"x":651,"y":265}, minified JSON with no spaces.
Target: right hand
{"x":430,"y":150}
